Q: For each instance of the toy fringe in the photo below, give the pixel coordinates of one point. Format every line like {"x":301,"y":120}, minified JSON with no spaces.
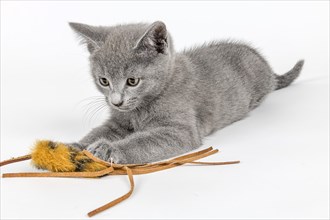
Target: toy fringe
{"x":65,"y":161}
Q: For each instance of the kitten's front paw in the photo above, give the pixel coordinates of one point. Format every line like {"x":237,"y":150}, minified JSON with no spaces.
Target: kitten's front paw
{"x":103,"y":150}
{"x":100,"y":149}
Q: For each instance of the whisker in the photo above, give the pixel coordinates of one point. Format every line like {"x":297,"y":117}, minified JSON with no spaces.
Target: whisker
{"x":92,"y":98}
{"x":97,"y":111}
{"x":92,"y":104}
{"x":91,"y":111}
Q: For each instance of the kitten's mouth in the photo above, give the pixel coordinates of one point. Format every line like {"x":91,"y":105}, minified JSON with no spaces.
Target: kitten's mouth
{"x":124,"y":108}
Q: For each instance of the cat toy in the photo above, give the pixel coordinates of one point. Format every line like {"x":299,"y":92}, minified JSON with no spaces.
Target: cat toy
{"x":66,"y":161}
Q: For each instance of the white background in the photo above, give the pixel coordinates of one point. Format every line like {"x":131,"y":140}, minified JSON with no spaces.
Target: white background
{"x":283,"y":145}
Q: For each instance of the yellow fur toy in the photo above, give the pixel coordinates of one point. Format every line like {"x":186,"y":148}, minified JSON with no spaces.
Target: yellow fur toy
{"x":58,"y":157}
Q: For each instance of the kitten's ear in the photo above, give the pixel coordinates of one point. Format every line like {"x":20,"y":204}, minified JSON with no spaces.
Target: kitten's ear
{"x":154,"y":39}
{"x":92,"y":36}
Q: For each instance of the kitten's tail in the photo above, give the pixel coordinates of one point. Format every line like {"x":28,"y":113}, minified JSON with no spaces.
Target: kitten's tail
{"x":287,"y":78}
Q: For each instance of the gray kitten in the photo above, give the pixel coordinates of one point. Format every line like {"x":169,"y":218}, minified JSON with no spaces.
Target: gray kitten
{"x":162,"y":102}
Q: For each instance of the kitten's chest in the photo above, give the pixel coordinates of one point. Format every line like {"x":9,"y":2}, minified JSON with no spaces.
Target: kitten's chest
{"x":135,"y":125}
{"x":138,"y":121}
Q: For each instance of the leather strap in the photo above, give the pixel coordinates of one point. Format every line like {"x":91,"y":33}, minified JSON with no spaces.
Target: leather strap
{"x":16,"y":159}
{"x":94,"y":174}
{"x":118,"y":200}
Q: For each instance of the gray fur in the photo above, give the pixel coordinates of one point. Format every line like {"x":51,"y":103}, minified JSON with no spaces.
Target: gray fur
{"x":181,"y":98}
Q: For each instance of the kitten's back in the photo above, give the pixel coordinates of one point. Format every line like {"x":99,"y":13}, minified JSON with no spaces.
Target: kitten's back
{"x":238,"y":79}
{"x":230,"y":65}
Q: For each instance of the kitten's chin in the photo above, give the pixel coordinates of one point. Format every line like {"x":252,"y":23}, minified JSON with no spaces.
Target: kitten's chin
{"x":124,"y":108}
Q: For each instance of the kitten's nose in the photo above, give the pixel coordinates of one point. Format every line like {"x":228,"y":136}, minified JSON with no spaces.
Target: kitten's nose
{"x":117,"y":104}
{"x":116,"y":99}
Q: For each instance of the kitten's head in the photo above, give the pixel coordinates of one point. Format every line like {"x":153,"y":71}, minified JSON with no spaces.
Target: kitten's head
{"x":129,"y":63}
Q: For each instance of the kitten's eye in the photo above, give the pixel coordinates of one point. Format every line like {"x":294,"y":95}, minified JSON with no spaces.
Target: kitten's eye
{"x":133,"y":81}
{"x":104,"y":81}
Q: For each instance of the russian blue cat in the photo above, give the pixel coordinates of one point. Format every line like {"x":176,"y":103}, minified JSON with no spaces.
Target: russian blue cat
{"x":164,"y":102}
